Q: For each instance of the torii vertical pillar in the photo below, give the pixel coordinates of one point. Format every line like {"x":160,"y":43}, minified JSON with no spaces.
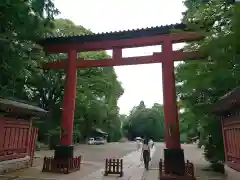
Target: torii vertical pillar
{"x":65,"y":149}
{"x":173,"y":154}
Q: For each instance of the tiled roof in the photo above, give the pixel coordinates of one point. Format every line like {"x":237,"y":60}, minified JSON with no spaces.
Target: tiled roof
{"x":22,"y":107}
{"x":127,"y":34}
{"x":228,"y":101}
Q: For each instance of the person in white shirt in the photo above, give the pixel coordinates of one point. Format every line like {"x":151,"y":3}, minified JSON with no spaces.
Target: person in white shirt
{"x":139,"y":143}
{"x":146,"y":153}
{"x":151,"y":143}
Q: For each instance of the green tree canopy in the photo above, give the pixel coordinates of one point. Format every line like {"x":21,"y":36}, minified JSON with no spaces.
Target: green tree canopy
{"x":145,"y":122}
{"x":201,"y":83}
{"x":21,"y":23}
{"x":23,"y":78}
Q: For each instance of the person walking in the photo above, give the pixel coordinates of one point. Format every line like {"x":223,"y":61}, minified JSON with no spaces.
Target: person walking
{"x":151,"y":143}
{"x":139,"y":143}
{"x":146,"y":153}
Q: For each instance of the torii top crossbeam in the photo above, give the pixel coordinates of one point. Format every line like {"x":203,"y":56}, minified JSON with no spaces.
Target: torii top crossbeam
{"x":118,"y":41}
{"x":121,"y":39}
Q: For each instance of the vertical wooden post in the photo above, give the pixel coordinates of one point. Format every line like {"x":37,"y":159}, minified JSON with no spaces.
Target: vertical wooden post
{"x":28,"y":143}
{"x":2,"y":124}
{"x":238,"y":143}
{"x":69,"y":99}
{"x":117,"y":54}
{"x":174,"y":162}
{"x":171,"y":124}
{"x":34,"y":133}
{"x":121,"y":161}
{"x":225,"y":142}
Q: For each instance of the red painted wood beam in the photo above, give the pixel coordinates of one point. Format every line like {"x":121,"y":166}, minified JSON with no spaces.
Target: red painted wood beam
{"x":171,"y":122}
{"x":69,"y":100}
{"x":117,"y":54}
{"x":155,"y":58}
{"x":123,"y":43}
{"x":104,"y":62}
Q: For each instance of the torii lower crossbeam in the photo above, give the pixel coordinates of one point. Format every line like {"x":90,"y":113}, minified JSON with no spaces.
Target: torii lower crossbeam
{"x":155,"y":58}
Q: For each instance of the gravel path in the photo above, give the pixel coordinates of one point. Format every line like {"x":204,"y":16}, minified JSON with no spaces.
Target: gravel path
{"x":93,"y":157}
{"x":98,"y":153}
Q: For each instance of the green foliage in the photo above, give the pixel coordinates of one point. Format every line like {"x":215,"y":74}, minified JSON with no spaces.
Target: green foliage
{"x":97,"y":88}
{"x":145,"y":122}
{"x":21,"y":23}
{"x":201,"y":83}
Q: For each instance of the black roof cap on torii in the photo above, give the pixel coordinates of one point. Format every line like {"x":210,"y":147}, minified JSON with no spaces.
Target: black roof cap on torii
{"x":117,"y":35}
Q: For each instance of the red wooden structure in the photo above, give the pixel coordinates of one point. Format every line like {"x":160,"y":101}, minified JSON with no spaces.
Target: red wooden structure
{"x":71,"y":165}
{"x":113,"y":166}
{"x":17,"y":135}
{"x":188,"y":173}
{"x":228,"y":111}
{"x":117,"y":41}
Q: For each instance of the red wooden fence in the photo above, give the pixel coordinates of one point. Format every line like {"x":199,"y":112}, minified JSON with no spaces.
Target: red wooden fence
{"x":14,"y":138}
{"x":61,"y":166}
{"x":189,"y":172}
{"x":231,"y":135}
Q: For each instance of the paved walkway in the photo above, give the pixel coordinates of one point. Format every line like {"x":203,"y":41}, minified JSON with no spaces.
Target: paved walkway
{"x":133,"y":169}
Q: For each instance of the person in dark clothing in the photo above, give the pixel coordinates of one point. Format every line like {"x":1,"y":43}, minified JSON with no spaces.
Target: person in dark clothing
{"x":146,"y":153}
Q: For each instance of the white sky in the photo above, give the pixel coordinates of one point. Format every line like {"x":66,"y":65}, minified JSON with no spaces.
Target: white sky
{"x":140,"y":82}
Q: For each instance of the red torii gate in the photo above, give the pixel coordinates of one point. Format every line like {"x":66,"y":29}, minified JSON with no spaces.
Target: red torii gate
{"x":117,"y":41}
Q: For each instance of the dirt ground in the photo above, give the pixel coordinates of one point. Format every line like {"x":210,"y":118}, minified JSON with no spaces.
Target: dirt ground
{"x":98,"y":153}
{"x":193,"y":154}
{"x":93,"y":157}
